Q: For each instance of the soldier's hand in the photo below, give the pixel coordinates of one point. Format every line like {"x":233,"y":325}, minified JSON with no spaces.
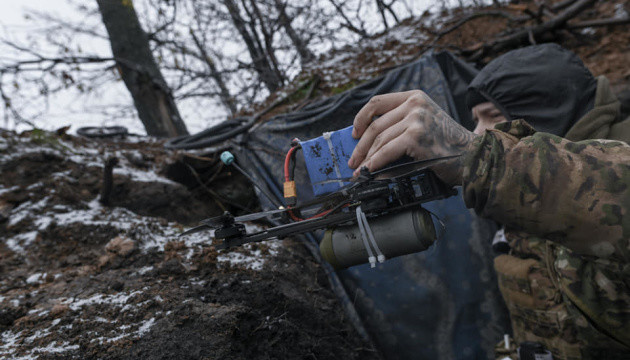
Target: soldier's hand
{"x":411,"y":124}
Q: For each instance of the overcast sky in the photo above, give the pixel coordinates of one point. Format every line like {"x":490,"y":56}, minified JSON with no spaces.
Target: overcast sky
{"x":67,"y":108}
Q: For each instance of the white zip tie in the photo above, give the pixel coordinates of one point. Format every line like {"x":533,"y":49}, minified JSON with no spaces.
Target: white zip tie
{"x":371,"y":257}
{"x":335,"y":160}
{"x":380,"y":256}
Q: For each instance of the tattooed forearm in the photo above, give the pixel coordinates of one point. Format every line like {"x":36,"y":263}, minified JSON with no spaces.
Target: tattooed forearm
{"x":410,"y":124}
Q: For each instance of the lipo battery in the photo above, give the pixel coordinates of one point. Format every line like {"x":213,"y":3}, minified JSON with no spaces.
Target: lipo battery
{"x":326,"y":159}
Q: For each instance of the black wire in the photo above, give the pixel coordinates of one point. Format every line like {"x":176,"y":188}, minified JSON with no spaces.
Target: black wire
{"x":212,"y":136}
{"x":293,"y":163}
{"x":262,"y":190}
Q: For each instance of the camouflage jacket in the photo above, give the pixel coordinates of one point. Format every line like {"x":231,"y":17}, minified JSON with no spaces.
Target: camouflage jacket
{"x":566,"y":209}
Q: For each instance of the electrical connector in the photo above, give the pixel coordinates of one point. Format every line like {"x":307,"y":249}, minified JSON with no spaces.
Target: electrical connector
{"x":290,"y":193}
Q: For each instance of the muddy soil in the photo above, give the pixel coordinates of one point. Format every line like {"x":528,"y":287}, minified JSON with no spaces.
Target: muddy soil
{"x":79,"y":280}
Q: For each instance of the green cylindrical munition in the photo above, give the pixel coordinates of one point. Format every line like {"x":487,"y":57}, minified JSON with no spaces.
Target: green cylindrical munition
{"x":395,"y":234}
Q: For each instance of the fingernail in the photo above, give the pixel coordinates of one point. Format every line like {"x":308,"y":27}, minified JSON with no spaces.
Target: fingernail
{"x":350,"y":162}
{"x":354,"y":133}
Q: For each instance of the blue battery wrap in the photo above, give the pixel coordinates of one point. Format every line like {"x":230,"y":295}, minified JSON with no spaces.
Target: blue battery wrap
{"x":326,"y":159}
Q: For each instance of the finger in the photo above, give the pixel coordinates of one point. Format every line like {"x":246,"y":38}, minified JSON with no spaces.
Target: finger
{"x":375,"y":129}
{"x":388,"y":153}
{"x":388,"y":135}
{"x":378,"y":105}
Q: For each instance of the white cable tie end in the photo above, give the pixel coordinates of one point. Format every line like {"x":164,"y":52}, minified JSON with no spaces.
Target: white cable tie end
{"x":372,"y":261}
{"x":326,"y":135}
{"x":381,"y":258}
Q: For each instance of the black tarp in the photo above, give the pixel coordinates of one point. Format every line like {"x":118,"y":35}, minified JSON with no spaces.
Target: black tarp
{"x":441,"y":304}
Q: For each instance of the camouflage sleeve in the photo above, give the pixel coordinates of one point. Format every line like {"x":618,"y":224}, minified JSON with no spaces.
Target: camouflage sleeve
{"x":573,"y":193}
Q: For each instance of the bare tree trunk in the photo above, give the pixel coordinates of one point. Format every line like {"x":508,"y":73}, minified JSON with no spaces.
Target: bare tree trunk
{"x":305,"y":54}
{"x":268,"y":38}
{"x":260,"y":62}
{"x":130,"y":46}
{"x":224,"y":93}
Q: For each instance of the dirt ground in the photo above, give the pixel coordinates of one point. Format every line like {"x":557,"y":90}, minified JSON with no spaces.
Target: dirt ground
{"x":79,"y":280}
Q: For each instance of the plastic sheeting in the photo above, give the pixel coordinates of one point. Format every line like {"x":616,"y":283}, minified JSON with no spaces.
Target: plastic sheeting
{"x":441,"y":304}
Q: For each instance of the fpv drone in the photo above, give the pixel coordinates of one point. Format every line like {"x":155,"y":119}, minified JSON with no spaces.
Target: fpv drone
{"x":368,"y":196}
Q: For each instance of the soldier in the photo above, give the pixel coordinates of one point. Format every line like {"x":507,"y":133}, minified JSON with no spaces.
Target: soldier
{"x":565,"y":202}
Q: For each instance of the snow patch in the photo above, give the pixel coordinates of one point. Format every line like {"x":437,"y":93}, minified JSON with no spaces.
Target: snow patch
{"x":43,"y":222}
{"x":248,"y":258}
{"x":19,"y":242}
{"x":145,"y":270}
{"x":25,"y":209}
{"x":53,"y":348}
{"x":118,"y":300}
{"x":37,"y":335}
{"x":38,"y":312}
{"x":146,"y":326}
{"x":6,"y":190}
{"x":9,"y":342}
{"x":142,"y":328}
{"x":142,"y":176}
{"x":36,"y":278}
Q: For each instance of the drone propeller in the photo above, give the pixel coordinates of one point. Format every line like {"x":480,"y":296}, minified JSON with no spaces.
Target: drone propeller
{"x":365,"y":175}
{"x":196,"y":229}
{"x":335,"y":181}
{"x":212,"y":223}
{"x":259,"y":215}
{"x":391,"y":172}
{"x":227,"y":219}
{"x":407,"y":169}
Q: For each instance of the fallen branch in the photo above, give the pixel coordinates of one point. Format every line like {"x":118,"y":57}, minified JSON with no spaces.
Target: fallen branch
{"x":528,"y":33}
{"x":470,"y":17}
{"x":600,"y":22}
{"x":561,"y":5}
{"x":543,"y":9}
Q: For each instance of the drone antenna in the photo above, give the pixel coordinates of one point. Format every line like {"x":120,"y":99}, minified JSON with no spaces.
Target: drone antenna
{"x":228,"y":159}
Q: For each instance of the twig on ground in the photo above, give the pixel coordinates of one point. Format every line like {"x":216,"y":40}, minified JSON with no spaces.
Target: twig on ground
{"x":108,"y":180}
{"x":218,"y":199}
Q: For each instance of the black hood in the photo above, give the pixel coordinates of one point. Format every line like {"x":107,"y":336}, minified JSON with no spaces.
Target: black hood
{"x":546,"y":85}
